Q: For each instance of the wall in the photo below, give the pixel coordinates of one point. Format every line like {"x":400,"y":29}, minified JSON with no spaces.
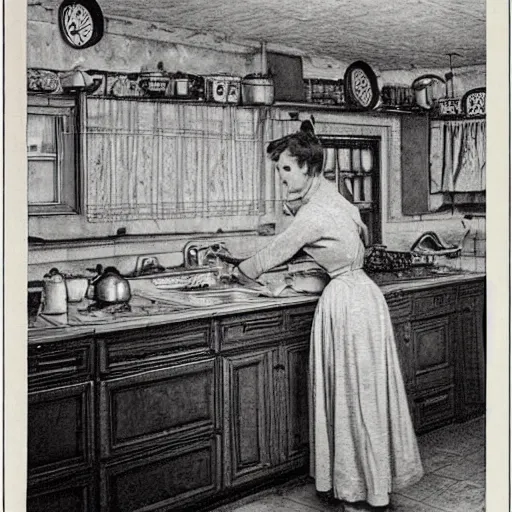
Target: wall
{"x":131,"y":45}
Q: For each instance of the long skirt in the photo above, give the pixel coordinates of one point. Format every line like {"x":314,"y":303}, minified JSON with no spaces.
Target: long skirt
{"x":363,"y":444}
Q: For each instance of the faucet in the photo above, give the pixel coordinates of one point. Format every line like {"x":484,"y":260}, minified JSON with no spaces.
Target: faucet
{"x":191,"y":255}
{"x":197,"y":254}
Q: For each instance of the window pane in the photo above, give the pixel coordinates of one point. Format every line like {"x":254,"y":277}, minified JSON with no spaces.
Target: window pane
{"x":42,"y":181}
{"x":41,"y":136}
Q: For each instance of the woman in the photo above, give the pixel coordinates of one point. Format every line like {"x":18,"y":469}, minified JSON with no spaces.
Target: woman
{"x":363,"y":444}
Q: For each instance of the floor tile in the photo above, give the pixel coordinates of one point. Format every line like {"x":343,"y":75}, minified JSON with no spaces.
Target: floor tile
{"x":274,"y":504}
{"x":461,"y":497}
{"x":433,"y":460}
{"x":462,"y":469}
{"x":404,"y":504}
{"x":429,"y":485}
{"x":460,"y":443}
{"x":306,"y":494}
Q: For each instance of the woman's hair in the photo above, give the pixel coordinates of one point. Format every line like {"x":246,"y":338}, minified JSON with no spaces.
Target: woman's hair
{"x":303,"y":145}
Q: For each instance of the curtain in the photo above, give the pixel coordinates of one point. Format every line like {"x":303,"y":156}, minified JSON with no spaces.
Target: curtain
{"x":155,"y":160}
{"x":462,"y":158}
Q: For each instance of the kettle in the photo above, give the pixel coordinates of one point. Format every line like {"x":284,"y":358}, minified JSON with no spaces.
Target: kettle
{"x":54,"y":293}
{"x":110,"y":287}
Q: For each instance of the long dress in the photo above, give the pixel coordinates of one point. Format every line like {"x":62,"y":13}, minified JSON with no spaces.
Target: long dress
{"x":363,"y":444}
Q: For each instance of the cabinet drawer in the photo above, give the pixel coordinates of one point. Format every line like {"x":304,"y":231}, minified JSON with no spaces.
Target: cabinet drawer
{"x":157,"y":407}
{"x":60,"y":430}
{"x":435,"y":302}
{"x":434,"y":409}
{"x":60,"y":362}
{"x":300,"y":319}
{"x":237,"y":330}
{"x":75,"y":494}
{"x":166,"y":480}
{"x":153,"y":347}
{"x":469,"y":289}
{"x":399,"y":305}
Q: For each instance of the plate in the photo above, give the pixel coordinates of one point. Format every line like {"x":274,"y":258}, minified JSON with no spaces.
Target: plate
{"x":473,"y":102}
{"x":361,"y":87}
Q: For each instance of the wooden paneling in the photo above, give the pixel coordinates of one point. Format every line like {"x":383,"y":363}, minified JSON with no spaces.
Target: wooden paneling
{"x":471,"y":357}
{"x":60,"y":362}
{"x":154,"y":347}
{"x":434,"y":409}
{"x":67,"y":495}
{"x":299,"y":319}
{"x":435,"y":302}
{"x":60,"y":430}
{"x":295,"y":431}
{"x":157,"y":407}
{"x":165,"y":480}
{"x":249,"y":410}
{"x":399,"y":305}
{"x":239,"y":330}
{"x":432,"y":340}
{"x":405,"y":351}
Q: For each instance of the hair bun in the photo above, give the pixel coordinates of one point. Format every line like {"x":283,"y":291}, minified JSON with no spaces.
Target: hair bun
{"x":307,"y":127}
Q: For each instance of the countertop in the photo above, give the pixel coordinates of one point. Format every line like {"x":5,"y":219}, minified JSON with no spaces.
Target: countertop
{"x":48,"y":332}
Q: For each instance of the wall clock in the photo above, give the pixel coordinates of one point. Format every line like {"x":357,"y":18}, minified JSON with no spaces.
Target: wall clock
{"x":81,"y":23}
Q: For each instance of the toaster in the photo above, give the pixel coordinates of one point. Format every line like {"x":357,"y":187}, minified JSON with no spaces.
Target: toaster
{"x":223,"y":89}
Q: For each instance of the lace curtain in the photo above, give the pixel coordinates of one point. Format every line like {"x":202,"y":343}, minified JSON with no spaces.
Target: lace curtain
{"x":155,"y":160}
{"x":459,"y":159}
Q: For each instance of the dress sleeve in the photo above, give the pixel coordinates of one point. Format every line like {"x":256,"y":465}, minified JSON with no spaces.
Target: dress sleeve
{"x":305,"y":229}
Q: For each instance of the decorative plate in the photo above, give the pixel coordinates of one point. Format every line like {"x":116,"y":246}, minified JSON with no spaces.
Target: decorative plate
{"x":80,"y":23}
{"x":361,"y":88}
{"x":473,"y":102}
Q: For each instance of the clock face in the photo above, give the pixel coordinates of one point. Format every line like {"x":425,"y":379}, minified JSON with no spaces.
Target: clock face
{"x":81,"y":23}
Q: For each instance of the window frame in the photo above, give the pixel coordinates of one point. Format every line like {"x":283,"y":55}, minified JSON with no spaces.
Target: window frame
{"x":69,"y":179}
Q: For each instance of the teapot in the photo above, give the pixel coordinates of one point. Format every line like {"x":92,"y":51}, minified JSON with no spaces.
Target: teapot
{"x":110,"y":287}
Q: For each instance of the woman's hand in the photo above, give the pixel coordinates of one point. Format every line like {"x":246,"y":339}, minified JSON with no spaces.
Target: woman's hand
{"x":225,"y":256}
{"x":245,"y":280}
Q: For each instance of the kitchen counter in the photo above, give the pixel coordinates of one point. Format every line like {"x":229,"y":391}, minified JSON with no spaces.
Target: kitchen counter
{"x":44,"y":330}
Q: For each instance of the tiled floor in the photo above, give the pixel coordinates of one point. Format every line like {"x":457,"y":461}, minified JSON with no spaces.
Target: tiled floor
{"x":454,"y":481}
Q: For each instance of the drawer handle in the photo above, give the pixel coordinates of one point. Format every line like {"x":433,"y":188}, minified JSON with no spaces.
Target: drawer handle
{"x":261,"y":324}
{"x":435,"y":400}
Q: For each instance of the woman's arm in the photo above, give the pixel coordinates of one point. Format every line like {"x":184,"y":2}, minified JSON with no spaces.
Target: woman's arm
{"x":304,"y":229}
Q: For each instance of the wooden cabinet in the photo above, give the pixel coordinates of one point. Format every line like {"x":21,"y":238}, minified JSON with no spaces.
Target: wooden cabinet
{"x":471,"y":352}
{"x":176,"y":416}
{"x":249,"y":415}
{"x":61,"y":425}
{"x":166,"y":479}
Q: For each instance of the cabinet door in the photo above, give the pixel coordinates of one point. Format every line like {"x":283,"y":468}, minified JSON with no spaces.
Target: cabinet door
{"x":70,"y":495}
{"x":249,"y":415}
{"x":295,"y":421}
{"x":164,"y":480}
{"x":432,"y":340}
{"x":157,"y":407}
{"x":415,"y":164}
{"x":471,"y":357}
{"x":60,"y":430}
{"x":404,"y":347}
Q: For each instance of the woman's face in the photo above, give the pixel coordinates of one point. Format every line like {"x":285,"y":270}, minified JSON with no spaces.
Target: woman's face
{"x":293,"y":176}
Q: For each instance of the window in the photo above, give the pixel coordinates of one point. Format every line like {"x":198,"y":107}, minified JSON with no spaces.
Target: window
{"x":354,"y":164}
{"x":52,"y":155}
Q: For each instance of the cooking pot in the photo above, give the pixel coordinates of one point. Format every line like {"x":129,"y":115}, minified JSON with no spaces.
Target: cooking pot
{"x":428,"y":89}
{"x":257,"y":91}
{"x":110,"y":287}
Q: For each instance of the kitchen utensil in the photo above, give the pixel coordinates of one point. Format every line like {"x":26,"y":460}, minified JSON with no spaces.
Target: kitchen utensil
{"x":76,"y":288}
{"x":154,"y":82}
{"x":428,"y":89}
{"x":223,"y":89}
{"x":257,"y":90}
{"x":54,"y":293}
{"x":361,"y":87}
{"x":110,"y":287}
